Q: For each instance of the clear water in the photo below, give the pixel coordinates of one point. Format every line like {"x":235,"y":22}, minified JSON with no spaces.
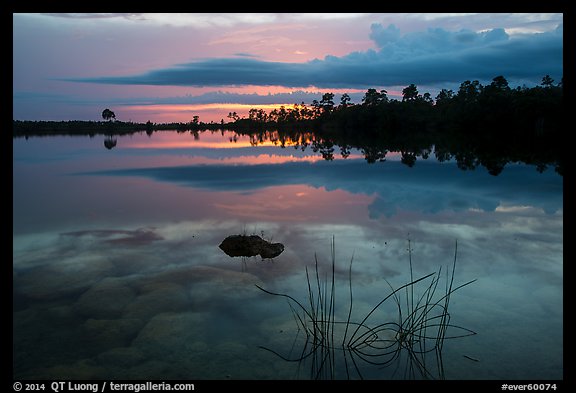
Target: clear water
{"x":117,"y":272}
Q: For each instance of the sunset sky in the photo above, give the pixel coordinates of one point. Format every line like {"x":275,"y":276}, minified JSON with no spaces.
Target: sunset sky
{"x":171,"y":67}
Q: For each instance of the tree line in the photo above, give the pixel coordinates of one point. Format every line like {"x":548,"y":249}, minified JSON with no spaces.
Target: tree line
{"x":473,"y":108}
{"x":476,"y":125}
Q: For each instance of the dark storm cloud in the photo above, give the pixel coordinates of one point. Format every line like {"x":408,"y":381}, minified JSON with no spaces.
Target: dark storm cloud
{"x":223,"y":97}
{"x":433,"y":56}
{"x":242,"y":54}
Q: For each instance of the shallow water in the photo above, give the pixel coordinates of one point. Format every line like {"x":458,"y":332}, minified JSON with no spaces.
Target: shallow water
{"x":117,"y":272}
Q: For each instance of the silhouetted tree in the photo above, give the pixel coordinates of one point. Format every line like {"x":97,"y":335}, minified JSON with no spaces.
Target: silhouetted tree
{"x":547,"y":81}
{"x":373,"y":97}
{"x":257,"y":115}
{"x":345,"y":100}
{"x":469,"y":91}
{"x":327,"y":102}
{"x":444,"y":96}
{"x":410,"y":93}
{"x":107,"y":114}
{"x":500,"y":83}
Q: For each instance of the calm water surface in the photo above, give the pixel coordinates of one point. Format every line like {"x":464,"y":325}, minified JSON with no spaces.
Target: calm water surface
{"x":117,"y":272}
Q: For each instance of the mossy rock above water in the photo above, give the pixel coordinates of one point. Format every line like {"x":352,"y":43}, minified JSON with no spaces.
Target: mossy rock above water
{"x":250,"y":246}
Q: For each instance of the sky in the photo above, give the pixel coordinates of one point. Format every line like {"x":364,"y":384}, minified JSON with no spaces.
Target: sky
{"x":171,"y":67}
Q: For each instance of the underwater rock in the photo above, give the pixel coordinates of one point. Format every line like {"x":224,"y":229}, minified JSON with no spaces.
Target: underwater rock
{"x":63,"y":277}
{"x":106,"y":299}
{"x":104,"y":334}
{"x":173,"y":336}
{"x":120,"y":358}
{"x":85,"y":369}
{"x":250,"y":246}
{"x":159,"y":298}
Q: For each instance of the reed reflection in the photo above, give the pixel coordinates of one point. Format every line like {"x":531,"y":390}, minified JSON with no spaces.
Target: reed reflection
{"x":410,"y":341}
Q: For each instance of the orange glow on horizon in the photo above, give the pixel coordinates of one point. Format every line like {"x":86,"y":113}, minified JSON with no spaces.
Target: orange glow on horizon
{"x":204,"y":107}
{"x":216,"y":112}
{"x":183,"y":113}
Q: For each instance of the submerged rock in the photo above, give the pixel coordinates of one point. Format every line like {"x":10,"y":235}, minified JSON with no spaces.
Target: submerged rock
{"x":250,"y":246}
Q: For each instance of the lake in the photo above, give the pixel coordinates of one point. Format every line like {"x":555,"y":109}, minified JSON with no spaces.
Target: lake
{"x":118,"y":274}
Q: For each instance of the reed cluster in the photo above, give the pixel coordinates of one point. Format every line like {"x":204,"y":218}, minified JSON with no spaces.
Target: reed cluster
{"x":411,"y":340}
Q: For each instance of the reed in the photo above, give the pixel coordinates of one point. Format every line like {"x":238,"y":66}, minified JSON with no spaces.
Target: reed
{"x":411,"y":342}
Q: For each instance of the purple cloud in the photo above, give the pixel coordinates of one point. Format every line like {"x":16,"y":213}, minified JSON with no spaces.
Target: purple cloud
{"x":430,"y":57}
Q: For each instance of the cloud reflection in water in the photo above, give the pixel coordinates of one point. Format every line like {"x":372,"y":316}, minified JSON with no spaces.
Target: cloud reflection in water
{"x":433,"y":187}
